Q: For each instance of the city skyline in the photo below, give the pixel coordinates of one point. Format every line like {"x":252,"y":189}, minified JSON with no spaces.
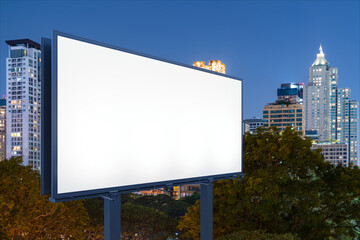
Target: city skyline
{"x":263,"y":43}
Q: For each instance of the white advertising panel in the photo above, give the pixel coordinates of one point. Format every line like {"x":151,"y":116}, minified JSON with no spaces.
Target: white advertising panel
{"x":124,"y":119}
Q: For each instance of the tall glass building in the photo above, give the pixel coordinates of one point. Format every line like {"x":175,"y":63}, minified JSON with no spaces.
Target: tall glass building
{"x":328,"y":109}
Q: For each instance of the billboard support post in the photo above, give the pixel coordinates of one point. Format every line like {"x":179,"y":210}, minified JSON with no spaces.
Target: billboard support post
{"x":112,"y":216}
{"x":206,"y":211}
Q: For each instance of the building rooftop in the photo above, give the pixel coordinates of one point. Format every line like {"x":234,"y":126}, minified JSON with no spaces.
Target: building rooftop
{"x":253,"y":120}
{"x":25,"y":41}
{"x":320,"y":58}
{"x":330,"y":143}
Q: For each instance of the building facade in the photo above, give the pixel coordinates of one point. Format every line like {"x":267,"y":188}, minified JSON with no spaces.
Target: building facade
{"x":23,"y":84}
{"x":290,"y":92}
{"x":329,"y":110}
{"x":287,"y":110}
{"x":188,"y":190}
{"x":214,"y":65}
{"x":334,"y":153}
{"x":250,"y":125}
{"x":320,"y":91}
{"x":284,"y":115}
{"x":2,"y":129}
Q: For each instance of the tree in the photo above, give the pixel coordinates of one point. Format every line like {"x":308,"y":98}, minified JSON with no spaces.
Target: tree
{"x":163,"y":203}
{"x":139,"y":219}
{"x":287,"y":189}
{"x":257,"y":235}
{"x":191,"y":200}
{"x":139,"y":222}
{"x":24,"y":214}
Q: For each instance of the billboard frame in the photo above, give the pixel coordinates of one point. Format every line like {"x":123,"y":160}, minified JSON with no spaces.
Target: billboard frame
{"x":50,"y":130}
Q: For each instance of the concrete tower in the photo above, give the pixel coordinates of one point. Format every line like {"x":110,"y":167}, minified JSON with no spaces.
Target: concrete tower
{"x":329,"y":110}
{"x":23,"y":101}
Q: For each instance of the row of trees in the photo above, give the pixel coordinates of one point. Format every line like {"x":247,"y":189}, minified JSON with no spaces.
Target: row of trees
{"x":287,"y":189}
{"x":25,"y":214}
{"x":288,"y":192}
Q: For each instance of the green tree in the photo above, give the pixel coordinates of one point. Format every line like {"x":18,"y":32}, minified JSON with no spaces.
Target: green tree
{"x":257,"y":235}
{"x":24,"y":214}
{"x":139,"y":222}
{"x":163,"y":203}
{"x":287,"y":189}
{"x":191,"y":200}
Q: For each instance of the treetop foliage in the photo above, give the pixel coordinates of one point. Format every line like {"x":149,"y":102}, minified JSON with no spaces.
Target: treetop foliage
{"x":287,"y":188}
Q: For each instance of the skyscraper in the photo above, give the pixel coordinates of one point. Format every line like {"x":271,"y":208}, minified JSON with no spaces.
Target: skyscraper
{"x":23,"y":101}
{"x":2,"y":129}
{"x":321,"y":90}
{"x":328,"y":109}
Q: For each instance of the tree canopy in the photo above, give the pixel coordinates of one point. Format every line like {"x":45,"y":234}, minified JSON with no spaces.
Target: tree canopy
{"x":24,"y":214}
{"x":287,"y":188}
{"x":288,"y":192}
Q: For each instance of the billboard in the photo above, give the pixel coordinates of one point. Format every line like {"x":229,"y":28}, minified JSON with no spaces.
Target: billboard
{"x":124,"y":121}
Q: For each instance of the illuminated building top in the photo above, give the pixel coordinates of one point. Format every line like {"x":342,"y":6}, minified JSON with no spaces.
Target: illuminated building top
{"x":214,"y":65}
{"x":320,"y":58}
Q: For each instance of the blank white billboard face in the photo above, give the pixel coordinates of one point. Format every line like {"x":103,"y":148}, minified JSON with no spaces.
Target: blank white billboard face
{"x":125,"y":119}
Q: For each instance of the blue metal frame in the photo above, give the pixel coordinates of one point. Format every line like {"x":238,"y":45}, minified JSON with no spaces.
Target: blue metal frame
{"x":112,"y":217}
{"x":206,"y":211}
{"x":45,"y":121}
{"x":55,"y":197}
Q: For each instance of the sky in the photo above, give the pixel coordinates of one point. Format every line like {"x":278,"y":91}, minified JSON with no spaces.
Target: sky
{"x":265,"y":43}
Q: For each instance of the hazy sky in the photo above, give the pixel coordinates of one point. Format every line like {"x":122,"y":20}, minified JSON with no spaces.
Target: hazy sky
{"x":264,"y":42}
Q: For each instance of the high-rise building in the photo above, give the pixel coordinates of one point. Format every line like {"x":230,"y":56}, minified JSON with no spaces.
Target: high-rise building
{"x":290,"y":92}
{"x":214,"y":65}
{"x":319,"y":95}
{"x":283,"y":115}
{"x":334,"y":153}
{"x":287,"y":109}
{"x":23,"y":101}
{"x":353,"y":123}
{"x":2,"y":129}
{"x":328,"y":109}
{"x":250,"y":125}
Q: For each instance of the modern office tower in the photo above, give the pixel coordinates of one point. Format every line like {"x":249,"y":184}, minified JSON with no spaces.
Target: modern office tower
{"x":214,"y":65}
{"x":328,"y":109}
{"x":23,"y":101}
{"x":291,"y":92}
{"x":334,"y":153}
{"x":353,"y":132}
{"x":287,"y":109}
{"x":283,"y":115}
{"x":319,"y":95}
{"x":250,"y":125}
{"x":2,"y":129}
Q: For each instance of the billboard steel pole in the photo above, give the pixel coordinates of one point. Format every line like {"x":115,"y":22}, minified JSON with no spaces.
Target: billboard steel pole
{"x":206,"y":211}
{"x":112,"y":216}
